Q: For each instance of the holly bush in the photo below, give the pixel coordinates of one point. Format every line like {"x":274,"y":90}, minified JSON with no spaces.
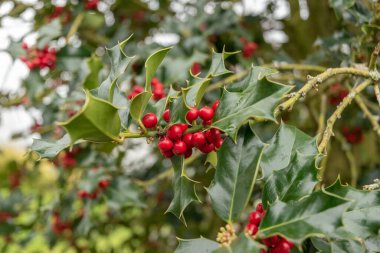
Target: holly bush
{"x":190,"y":126}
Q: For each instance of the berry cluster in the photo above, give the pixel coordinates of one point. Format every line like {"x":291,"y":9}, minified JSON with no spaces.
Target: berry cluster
{"x":249,"y":48}
{"x":196,"y":68}
{"x":337,"y":93}
{"x":158,"y":90}
{"x":83,"y":194}
{"x":91,"y":4}
{"x":275,"y":244}
{"x":39,"y":58}
{"x":353,"y":135}
{"x":59,"y":226}
{"x":178,"y":142}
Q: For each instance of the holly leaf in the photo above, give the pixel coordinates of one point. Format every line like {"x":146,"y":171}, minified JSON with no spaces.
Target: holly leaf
{"x":318,"y":214}
{"x":119,"y":63}
{"x":193,"y":94}
{"x":199,"y":245}
{"x":50,"y":149}
{"x":90,"y":72}
{"x":218,"y":67}
{"x":337,"y":246}
{"x":178,"y":110}
{"x":123,"y":105}
{"x":242,"y":244}
{"x":255,"y":97}
{"x":235,"y":176}
{"x":97,"y":121}
{"x":363,"y":222}
{"x":151,"y":65}
{"x":293,"y":182}
{"x":184,"y":189}
{"x":140,"y":102}
{"x":287,"y":141}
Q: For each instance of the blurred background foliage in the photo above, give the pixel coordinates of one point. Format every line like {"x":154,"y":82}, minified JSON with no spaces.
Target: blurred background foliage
{"x":39,"y":208}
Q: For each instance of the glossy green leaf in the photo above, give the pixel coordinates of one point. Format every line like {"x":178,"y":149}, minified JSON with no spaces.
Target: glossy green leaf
{"x":98,"y":121}
{"x":242,"y":244}
{"x":193,"y":94}
{"x":235,"y":176}
{"x":119,"y":63}
{"x":318,"y":214}
{"x":138,"y":105}
{"x":184,"y":189}
{"x":337,"y":246}
{"x":200,"y":245}
{"x":364,"y":222}
{"x":361,"y":199}
{"x":178,"y":110}
{"x":47,"y":149}
{"x":218,"y":67}
{"x":152,"y":64}
{"x":90,"y":72}
{"x":293,"y":182}
{"x":255,"y":97}
{"x":372,"y":244}
{"x":287,"y":141}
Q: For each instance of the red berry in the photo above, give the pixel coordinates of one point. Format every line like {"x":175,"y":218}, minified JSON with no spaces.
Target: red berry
{"x":215,"y":105}
{"x":94,"y":194}
{"x":206,"y":113}
{"x":249,"y":49}
{"x":167,"y":154}
{"x":255,"y":218}
{"x":198,"y":139}
{"x":263,"y":251}
{"x":83,"y":194}
{"x":218,"y":143}
{"x":207,"y":148}
{"x":138,"y":89}
{"x":24,"y":45}
{"x":281,"y":247}
{"x":196,"y":68}
{"x":188,"y":152}
{"x":103,"y":184}
{"x":260,"y":207}
{"x":179,"y":148}
{"x":183,"y":127}
{"x":155,"y":81}
{"x":270,"y":241}
{"x":149,"y":120}
{"x":166,"y":115}
{"x":187,"y":138}
{"x":165,"y":144}
{"x":251,"y":229}
{"x":175,"y":132}
{"x":192,"y":114}
{"x":212,"y":135}
{"x":207,"y":122}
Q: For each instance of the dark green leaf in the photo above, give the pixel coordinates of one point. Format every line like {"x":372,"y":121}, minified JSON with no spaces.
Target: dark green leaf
{"x":184,"y":189}
{"x":49,"y":32}
{"x":138,"y":105}
{"x":218,"y":67}
{"x":293,"y":182}
{"x":235,"y":176}
{"x":318,"y":214}
{"x":90,"y":72}
{"x":287,"y":141}
{"x":200,"y":245}
{"x":242,"y":244}
{"x":194,"y":93}
{"x":255,"y":97}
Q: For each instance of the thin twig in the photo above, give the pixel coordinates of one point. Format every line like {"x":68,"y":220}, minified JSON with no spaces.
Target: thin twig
{"x":75,"y":26}
{"x":315,"y":81}
{"x":322,"y":114}
{"x":338,"y":112}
